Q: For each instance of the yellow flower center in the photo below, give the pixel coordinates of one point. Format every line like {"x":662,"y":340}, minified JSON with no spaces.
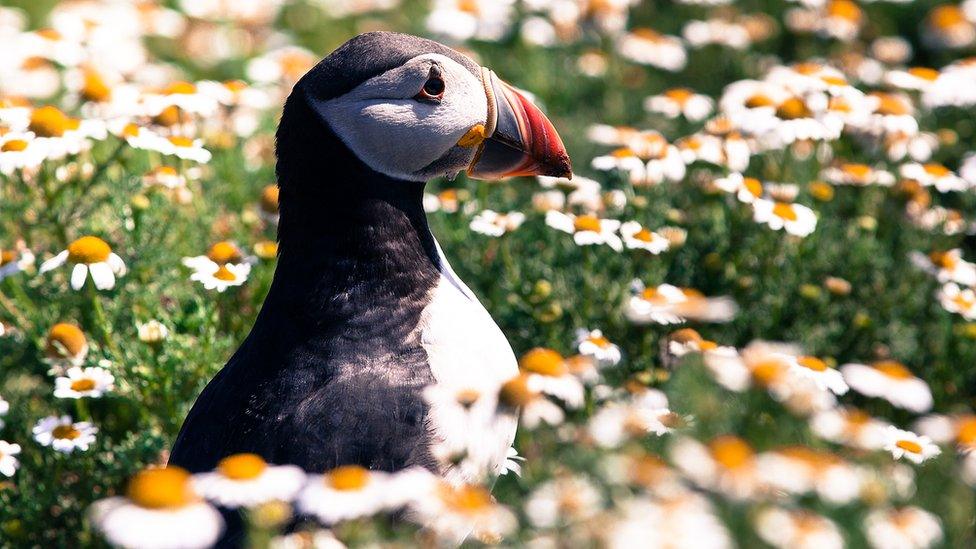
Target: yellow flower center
{"x":170,"y":116}
{"x":844,"y":9}
{"x":936,"y":170}
{"x":966,"y":430}
{"x":812,"y":363}
{"x":834,"y":80}
{"x":162,"y":488}
{"x":586,"y":223}
{"x":785,"y":211}
{"x":753,"y":185}
{"x":181,"y":140}
{"x":14,"y":145}
{"x":686,"y":335}
{"x":821,"y":191}
{"x":924,"y":73}
{"x":469,"y":6}
{"x":943,"y":260}
{"x":65,"y":432}
{"x":792,"y":109}
{"x":857,"y":171}
{"x":946,"y":16}
{"x":544,"y":362}
{"x":94,"y":87}
{"x":466,"y":499}
{"x":599,"y":341}
{"x":242,"y":466}
{"x":180,"y":87}
{"x":768,"y":372}
{"x":130,"y":130}
{"x":235,"y":85}
{"x":65,"y":340}
{"x":266,"y":249}
{"x":644,"y":235}
{"x":647,"y":469}
{"x":623,"y":152}
{"x":224,"y":252}
{"x":807,"y":68}
{"x":759,"y":100}
{"x":893,"y":369}
{"x":225,"y":274}
{"x":515,"y":392}
{"x":909,"y":446}
{"x":82,"y":385}
{"x":679,"y":95}
{"x":34,"y":63}
{"x":348,"y":478}
{"x":88,"y":250}
{"x":269,"y":199}
{"x":48,"y":121}
{"x":647,"y":34}
{"x":890,"y":104}
{"x":731,"y":452}
{"x":48,"y":34}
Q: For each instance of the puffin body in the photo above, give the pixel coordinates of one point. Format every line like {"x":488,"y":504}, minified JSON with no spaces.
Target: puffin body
{"x":365,"y":314}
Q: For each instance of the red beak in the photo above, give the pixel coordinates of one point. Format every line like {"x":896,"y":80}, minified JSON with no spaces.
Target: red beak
{"x":524,"y":142}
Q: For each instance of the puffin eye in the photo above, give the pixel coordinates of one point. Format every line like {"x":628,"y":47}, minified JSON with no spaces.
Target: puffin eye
{"x":433,"y":89}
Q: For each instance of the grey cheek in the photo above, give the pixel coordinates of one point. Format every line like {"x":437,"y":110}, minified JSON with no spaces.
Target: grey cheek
{"x":456,"y":159}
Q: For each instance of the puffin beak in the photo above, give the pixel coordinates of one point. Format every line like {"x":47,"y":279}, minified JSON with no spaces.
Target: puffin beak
{"x":524,"y":141}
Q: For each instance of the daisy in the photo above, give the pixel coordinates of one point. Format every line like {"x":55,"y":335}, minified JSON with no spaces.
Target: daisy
{"x":61,"y":134}
{"x":533,"y":407}
{"x":859,"y":175}
{"x":549,"y":373}
{"x":850,"y":427}
{"x":304,"y":539}
{"x":20,"y":151}
{"x":909,"y":527}
{"x":946,"y":26}
{"x":63,"y":435}
{"x":686,"y":340}
{"x":908,"y":445}
{"x":8,"y":459}
{"x":648,"y":47}
{"x":796,"y":219}
{"x":617,"y":423}
{"x":160,"y":510}
{"x":563,"y":500}
{"x":947,"y":266}
{"x":592,"y":343}
{"x":746,"y":189}
{"x":676,"y":102}
{"x":888,"y":114}
{"x":586,"y":229}
{"x":841,"y":19}
{"x":65,"y":344}
{"x":91,"y":382}
{"x":800,"y":470}
{"x":459,"y":20}
{"x":246,"y":480}
{"x":281,"y":67}
{"x":667,"y":304}
{"x":682,"y":519}
{"x":934,"y":175}
{"x":912,"y":79}
{"x":637,"y":237}
{"x":797,"y":528}
{"x":730,"y":34}
{"x":495,"y":224}
{"x":187,"y":148}
{"x":891,"y":381}
{"x":727,"y":464}
{"x":89,"y":255}
{"x":224,"y":266}
{"x":350,"y":491}
{"x":817,"y":371}
{"x":181,"y":94}
{"x":454,"y":512}
{"x":268,"y":205}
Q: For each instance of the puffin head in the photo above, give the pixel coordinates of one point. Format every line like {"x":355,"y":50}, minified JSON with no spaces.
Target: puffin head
{"x":413,"y":109}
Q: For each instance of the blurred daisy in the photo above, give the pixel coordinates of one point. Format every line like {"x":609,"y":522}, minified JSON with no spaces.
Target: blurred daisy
{"x":246,"y":480}
{"x":795,"y":219}
{"x":681,"y":519}
{"x":170,"y":181}
{"x":906,"y":527}
{"x":817,"y":371}
{"x":305,"y":539}
{"x":675,"y":102}
{"x":593,"y":343}
{"x":15,"y":259}
{"x":224,"y":266}
{"x":60,"y":134}
{"x":89,"y":255}
{"x":934,"y":175}
{"x":946,"y":26}
{"x":20,"y":151}
{"x":959,"y":430}
{"x":648,"y":47}
{"x":908,"y":445}
{"x":268,"y":204}
{"x":637,"y":237}
{"x":562,"y":501}
{"x":797,"y":529}
{"x":64,"y":435}
{"x":187,"y":148}
{"x":586,"y":229}
{"x":461,"y":20}
{"x":727,"y":464}
{"x":800,"y":470}
{"x":850,"y":427}
{"x":152,"y":332}
{"x":913,"y":79}
{"x":186,"y":96}
{"x":667,"y":304}
{"x":947,"y":266}
{"x":841,"y":19}
{"x":454,"y":512}
{"x":8,"y":458}
{"x":492,"y":223}
{"x":617,"y":422}
{"x":91,"y":382}
{"x":159,"y":510}
{"x":350,"y":491}
{"x":746,"y":189}
{"x":859,"y":175}
{"x":549,"y":373}
{"x":533,"y":407}
{"x":65,"y":344}
{"x":891,"y":381}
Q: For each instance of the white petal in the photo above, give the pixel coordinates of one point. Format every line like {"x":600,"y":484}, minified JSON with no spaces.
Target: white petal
{"x":78,"y":276}
{"x":54,"y":262}
{"x":102,"y":275}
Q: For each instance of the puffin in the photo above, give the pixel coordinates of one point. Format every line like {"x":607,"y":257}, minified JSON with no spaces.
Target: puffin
{"x":364,"y":313}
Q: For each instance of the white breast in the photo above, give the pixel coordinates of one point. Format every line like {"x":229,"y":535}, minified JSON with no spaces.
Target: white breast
{"x":467,"y":350}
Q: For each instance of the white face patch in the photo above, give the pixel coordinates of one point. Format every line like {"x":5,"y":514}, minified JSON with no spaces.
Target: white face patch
{"x":398,"y":135}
